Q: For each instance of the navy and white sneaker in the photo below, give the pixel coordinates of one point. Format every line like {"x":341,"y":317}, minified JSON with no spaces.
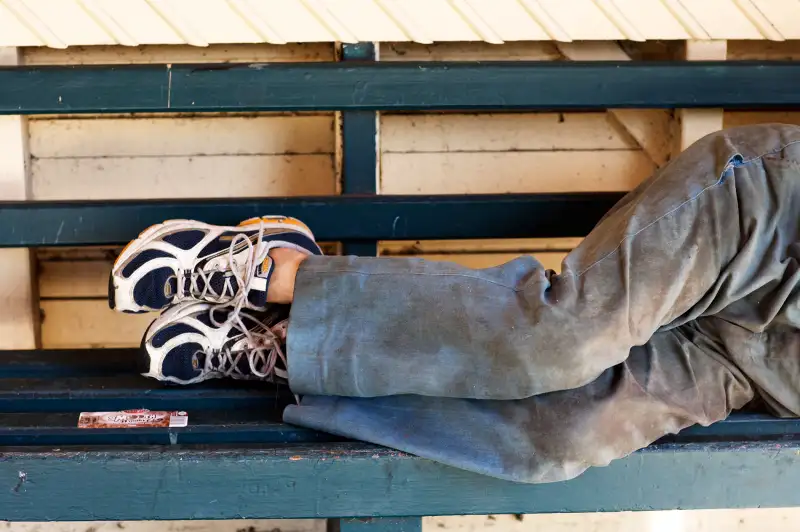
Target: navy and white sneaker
{"x":186,"y":260}
{"x":194,"y":341}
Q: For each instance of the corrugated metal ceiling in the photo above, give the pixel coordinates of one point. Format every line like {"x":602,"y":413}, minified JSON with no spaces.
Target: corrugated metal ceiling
{"x":63,"y":23}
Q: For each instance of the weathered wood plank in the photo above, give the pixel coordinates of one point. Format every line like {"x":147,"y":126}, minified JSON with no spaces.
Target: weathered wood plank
{"x":501,"y":245}
{"x":488,"y":260}
{"x":453,"y":86}
{"x":470,"y":51}
{"x":110,"y":55}
{"x":429,"y":133}
{"x":104,"y":394}
{"x":183,"y":177}
{"x":523,"y":172}
{"x":308,"y":481}
{"x":694,"y":124}
{"x":743,"y":118}
{"x":90,"y":323}
{"x":206,"y":427}
{"x":393,"y":217}
{"x":651,"y":128}
{"x":70,"y":279}
{"x":19,"y":320}
{"x":174,"y":136}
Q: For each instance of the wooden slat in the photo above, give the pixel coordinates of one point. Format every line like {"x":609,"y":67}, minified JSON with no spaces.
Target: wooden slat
{"x":650,"y":128}
{"x":260,"y":426}
{"x":71,"y":279}
{"x":742,"y":118}
{"x":73,"y":324}
{"x":99,"y":55}
{"x":502,"y":172}
{"x":694,"y":124}
{"x":102,"y":394}
{"x":651,"y":18}
{"x":469,"y":51}
{"x":784,"y":15}
{"x":721,"y":20}
{"x":19,"y":320}
{"x":500,"y":245}
{"x":183,"y":177}
{"x":488,"y":260}
{"x":764,"y":50}
{"x":584,"y":18}
{"x":421,"y":133}
{"x":171,"y":137}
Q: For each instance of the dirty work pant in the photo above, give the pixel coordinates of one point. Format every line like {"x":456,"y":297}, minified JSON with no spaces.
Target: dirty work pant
{"x":680,"y":306}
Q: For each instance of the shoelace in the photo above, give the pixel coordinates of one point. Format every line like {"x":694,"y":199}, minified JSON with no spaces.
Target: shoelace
{"x":263,"y":351}
{"x":264,"y":348}
{"x":243,"y":275}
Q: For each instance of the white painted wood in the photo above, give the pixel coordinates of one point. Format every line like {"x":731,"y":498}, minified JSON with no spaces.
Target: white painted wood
{"x":81,"y":29}
{"x":582,"y":19}
{"x":686,"y":19}
{"x":756,"y":17}
{"x":216,"y":22}
{"x":13,"y":33}
{"x":650,"y":128}
{"x":509,"y":20}
{"x":59,"y":23}
{"x":19,"y":321}
{"x":109,"y":55}
{"x":293,"y":19}
{"x":89,"y":324}
{"x":736,"y":520}
{"x":139,"y":21}
{"x":652,"y":19}
{"x":501,"y":172}
{"x":366,"y":20}
{"x":233,"y":525}
{"x":694,"y":124}
{"x":436,"y":17}
{"x":549,"y":24}
{"x":183,"y":177}
{"x":27,"y":17}
{"x":171,"y":137}
{"x":722,"y":19}
{"x":420,"y":133}
{"x":71,"y":279}
{"x":783,"y":15}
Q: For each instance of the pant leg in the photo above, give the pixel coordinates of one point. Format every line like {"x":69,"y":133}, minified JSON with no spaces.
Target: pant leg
{"x":708,"y":229}
{"x":678,"y":379}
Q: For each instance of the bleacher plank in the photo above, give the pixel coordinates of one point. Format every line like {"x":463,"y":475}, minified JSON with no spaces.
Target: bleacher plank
{"x":347,"y":479}
{"x":397,"y":86}
{"x":206,"y":427}
{"x":332,"y":217}
{"x":508,"y":172}
{"x":102,"y":394}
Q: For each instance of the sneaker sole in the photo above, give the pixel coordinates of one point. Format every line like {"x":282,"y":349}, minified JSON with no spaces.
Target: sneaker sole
{"x":168,"y":226}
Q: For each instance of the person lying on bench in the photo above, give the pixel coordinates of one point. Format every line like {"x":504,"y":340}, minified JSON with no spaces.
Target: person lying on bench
{"x":682,"y":305}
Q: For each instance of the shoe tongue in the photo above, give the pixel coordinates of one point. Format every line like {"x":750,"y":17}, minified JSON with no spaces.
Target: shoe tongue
{"x":257,"y":296}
